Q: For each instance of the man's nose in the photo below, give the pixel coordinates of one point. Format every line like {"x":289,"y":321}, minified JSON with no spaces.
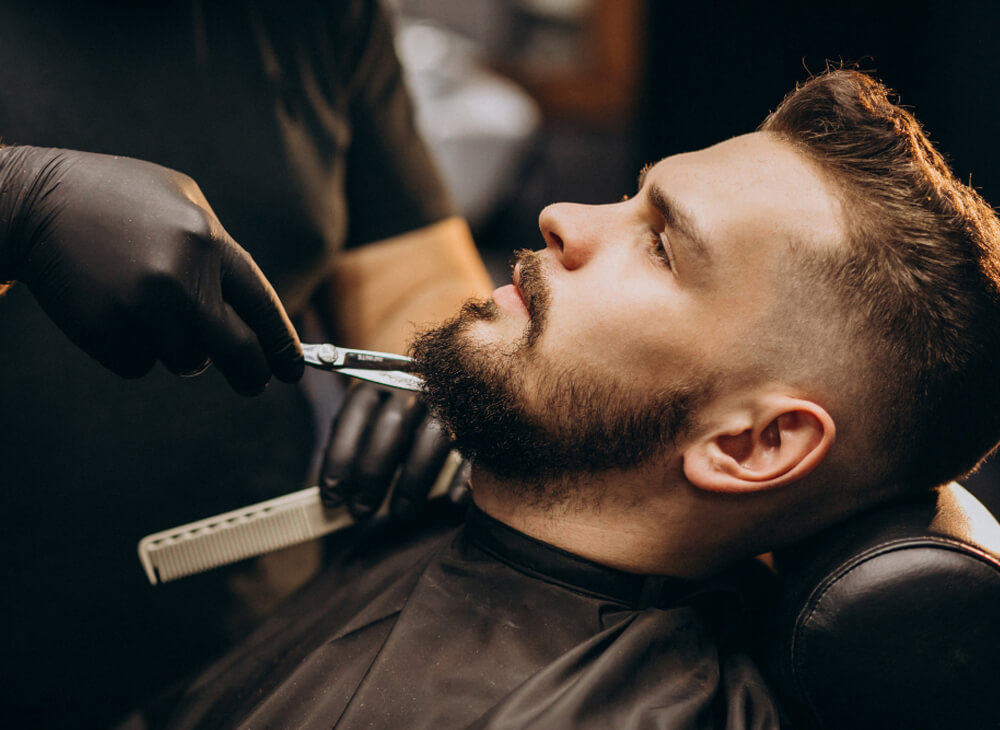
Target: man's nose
{"x":569,"y":230}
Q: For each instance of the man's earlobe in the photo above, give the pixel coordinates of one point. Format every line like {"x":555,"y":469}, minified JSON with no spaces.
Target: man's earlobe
{"x":779,"y":442}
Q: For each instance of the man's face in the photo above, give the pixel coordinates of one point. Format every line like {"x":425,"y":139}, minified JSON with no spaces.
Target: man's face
{"x":639,"y":311}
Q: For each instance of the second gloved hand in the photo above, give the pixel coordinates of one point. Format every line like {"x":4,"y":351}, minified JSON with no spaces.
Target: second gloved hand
{"x":375,"y":433}
{"x":129,"y":260}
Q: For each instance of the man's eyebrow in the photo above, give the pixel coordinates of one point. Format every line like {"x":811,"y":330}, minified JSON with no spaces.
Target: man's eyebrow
{"x":676,"y":217}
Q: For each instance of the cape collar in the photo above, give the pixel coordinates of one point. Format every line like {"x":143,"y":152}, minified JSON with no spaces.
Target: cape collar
{"x":554,"y":565}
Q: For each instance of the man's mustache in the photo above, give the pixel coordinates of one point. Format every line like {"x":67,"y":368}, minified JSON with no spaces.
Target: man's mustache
{"x":533,"y":285}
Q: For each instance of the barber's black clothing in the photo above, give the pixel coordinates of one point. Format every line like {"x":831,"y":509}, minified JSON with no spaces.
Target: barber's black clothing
{"x":293,"y":119}
{"x":484,"y":628}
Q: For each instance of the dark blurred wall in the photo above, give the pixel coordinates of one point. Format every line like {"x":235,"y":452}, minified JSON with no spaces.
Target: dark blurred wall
{"x":715,"y":69}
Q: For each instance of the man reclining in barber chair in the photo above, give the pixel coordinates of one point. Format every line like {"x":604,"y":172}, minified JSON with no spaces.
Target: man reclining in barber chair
{"x":774,"y":334}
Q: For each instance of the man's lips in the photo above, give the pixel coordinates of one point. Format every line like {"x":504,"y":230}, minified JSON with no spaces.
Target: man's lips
{"x":509,"y":297}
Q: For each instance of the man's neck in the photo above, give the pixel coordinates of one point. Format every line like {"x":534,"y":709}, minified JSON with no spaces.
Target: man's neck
{"x":627,"y":523}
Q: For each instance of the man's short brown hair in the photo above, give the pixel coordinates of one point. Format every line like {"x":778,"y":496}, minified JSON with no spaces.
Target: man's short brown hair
{"x":919,"y":278}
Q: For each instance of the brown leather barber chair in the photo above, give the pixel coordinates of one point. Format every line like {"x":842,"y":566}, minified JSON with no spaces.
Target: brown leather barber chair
{"x":892,"y":619}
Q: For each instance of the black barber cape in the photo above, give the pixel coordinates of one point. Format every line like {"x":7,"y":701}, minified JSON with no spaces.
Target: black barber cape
{"x":482,"y":627}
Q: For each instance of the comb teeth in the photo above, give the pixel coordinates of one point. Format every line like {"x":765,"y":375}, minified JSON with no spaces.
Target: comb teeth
{"x":244,"y":533}
{"x":255,"y":530}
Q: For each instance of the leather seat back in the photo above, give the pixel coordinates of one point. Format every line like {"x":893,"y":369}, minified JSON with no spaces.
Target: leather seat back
{"x":892,"y":619}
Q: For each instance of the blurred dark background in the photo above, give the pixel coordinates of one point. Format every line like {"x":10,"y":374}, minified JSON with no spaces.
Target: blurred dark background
{"x":609,"y":85}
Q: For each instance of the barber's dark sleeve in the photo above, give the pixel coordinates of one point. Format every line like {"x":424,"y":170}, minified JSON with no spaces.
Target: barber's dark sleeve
{"x":393,"y":185}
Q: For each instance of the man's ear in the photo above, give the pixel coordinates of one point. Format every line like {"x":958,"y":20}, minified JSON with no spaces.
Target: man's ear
{"x":775,"y":442}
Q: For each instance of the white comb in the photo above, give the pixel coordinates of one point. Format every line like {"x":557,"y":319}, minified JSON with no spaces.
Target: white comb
{"x":255,"y":530}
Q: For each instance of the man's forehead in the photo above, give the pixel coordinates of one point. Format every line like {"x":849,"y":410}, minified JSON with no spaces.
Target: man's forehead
{"x":751,"y":158}
{"x":755,"y":182}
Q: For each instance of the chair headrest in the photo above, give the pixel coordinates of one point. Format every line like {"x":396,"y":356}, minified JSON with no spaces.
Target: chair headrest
{"x":889,"y":619}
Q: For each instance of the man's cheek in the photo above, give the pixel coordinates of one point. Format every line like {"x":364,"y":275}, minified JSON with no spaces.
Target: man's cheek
{"x":586,"y":344}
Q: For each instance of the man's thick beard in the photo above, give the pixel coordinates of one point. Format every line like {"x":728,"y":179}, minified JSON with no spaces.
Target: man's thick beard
{"x":581,"y":425}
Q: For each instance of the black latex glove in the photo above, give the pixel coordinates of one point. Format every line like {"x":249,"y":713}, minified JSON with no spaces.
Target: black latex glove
{"x":131,"y":263}
{"x":376,"y":432}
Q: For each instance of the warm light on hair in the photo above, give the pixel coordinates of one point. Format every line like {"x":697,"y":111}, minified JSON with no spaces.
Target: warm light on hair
{"x":918,"y":281}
